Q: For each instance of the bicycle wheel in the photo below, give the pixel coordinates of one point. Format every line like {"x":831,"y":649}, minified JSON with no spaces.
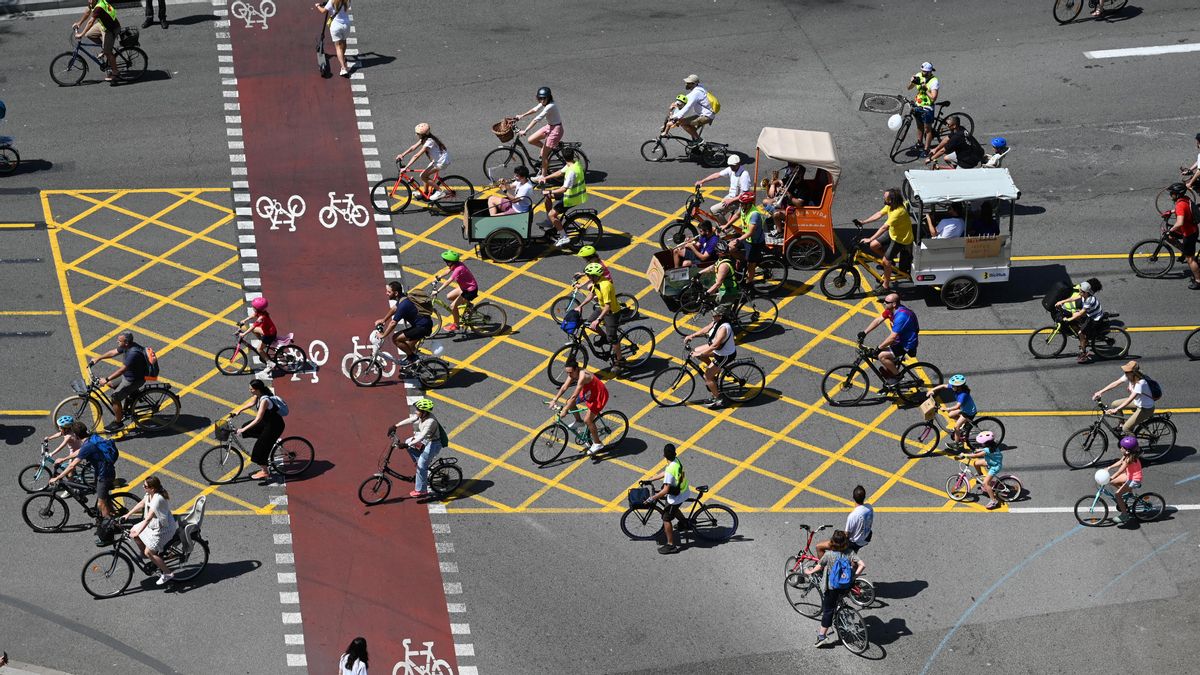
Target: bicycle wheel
{"x":920,"y":439}
{"x":1156,"y":437}
{"x":45,"y":512}
{"x":802,"y":594}
{"x":1085,"y":447}
{"x":1047,"y":342}
{"x":186,"y":568}
{"x":433,"y":372}
{"x":901,"y":135}
{"x":862,"y":593}
{"x":911,"y":387}
{"x":715,"y":522}
{"x":1112,"y":343}
{"x":741,"y":381}
{"x":844,"y":385}
{"x":221,"y":464}
{"x":10,"y":159}
{"x":687,"y":322}
{"x":556,"y":161}
{"x":1091,"y":510}
{"x":756,"y":315}
{"x":559,"y":307}
{"x":458,"y":190}
{"x":988,"y":424}
{"x":232,"y":361}
{"x":290,"y":358}
{"x":365,"y":372}
{"x":694,"y":298}
{"x":390,"y":195}
{"x":107,"y":574}
{"x":713,"y":156}
{"x":1149,"y":506}
{"x":1191,"y":345}
{"x":549,"y":444}
{"x":805,"y":252}
{"x":34,"y":478}
{"x":964,"y":121}
{"x":68,"y":70}
{"x":839,"y":282}
{"x":630,"y":307}
{"x":155,"y":409}
{"x":444,"y":480}
{"x":83,"y":408}
{"x":654,"y":151}
{"x":486,"y":319}
{"x":642,"y":523}
{"x":675,"y":233}
{"x":637,"y":345}
{"x":292,"y":456}
{"x":374,"y":489}
{"x":1151,"y":258}
{"x":958,"y":486}
{"x":1008,"y":488}
{"x":612,"y":425}
{"x":583,"y":229}
{"x":131,"y":63}
{"x":673,"y":386}
{"x":851,"y":629}
{"x":568,"y":352}
{"x":1065,"y":11}
{"x":503,"y":245}
{"x":771,"y":275}
{"x":500,"y":163}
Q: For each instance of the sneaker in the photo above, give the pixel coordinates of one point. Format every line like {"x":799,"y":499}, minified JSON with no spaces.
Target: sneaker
{"x":115,"y":425}
{"x":994,"y":504}
{"x":668,"y":549}
{"x":1121,"y":518}
{"x":538,"y":178}
{"x":450,"y":328}
{"x":100,"y":543}
{"x":715,"y":403}
{"x":562,"y":241}
{"x":821,"y":639}
{"x":344,"y":73}
{"x":148,"y":22}
{"x":164,"y":578}
{"x":417,"y":494}
{"x":572,"y":423}
{"x":953,"y":445}
{"x":1192,"y":284}
{"x":594,"y":448}
{"x":1084,"y":358}
{"x":163,"y":22}
{"x":437,"y":195}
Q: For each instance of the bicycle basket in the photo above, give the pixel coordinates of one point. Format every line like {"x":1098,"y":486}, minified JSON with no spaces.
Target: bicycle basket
{"x":79,"y":387}
{"x":128,"y":37}
{"x":570,"y":322}
{"x":638,"y":495}
{"x":503,"y":130}
{"x":222,"y":432}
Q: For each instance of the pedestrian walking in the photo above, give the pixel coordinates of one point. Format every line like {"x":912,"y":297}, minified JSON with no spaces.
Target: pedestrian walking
{"x":162,"y":14}
{"x":338,"y":12}
{"x":354,"y":660}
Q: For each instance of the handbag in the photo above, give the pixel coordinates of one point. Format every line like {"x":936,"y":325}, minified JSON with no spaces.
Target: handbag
{"x":638,"y":495}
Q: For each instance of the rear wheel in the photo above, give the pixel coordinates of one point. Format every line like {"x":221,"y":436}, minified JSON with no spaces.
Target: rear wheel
{"x":500,"y":163}
{"x":964,"y":121}
{"x":674,"y":234}
{"x":583,"y":230}
{"x":390,"y":195}
{"x":366,"y":371}
{"x":673,"y":386}
{"x":1112,"y":343}
{"x":715,"y":522}
{"x":1009,"y":489}
{"x":637,"y":345}
{"x":1114,"y":5}
{"x":290,"y":358}
{"x":960,"y":292}
{"x":433,"y":372}
{"x":374,"y":489}
{"x":805,"y":252}
{"x":612,"y":425}
{"x":1085,"y":447}
{"x":1091,"y":510}
{"x":45,"y":512}
{"x":1151,"y":258}
{"x":988,"y":424}
{"x":292,"y":456}
{"x":1149,"y":506}
{"x":10,"y":159}
{"x":1047,"y":343}
{"x":1065,"y":11}
{"x":845,"y":385}
{"x":558,"y":360}
{"x":630,"y":307}
{"x":713,"y":155}
{"x":920,"y":439}
{"x":503,"y":245}
{"x":486,"y":319}
{"x":221,"y":464}
{"x":642,"y":523}
{"x":1156,"y":437}
{"x":155,"y":409}
{"x":232,"y":361}
{"x":742,"y":382}
{"x":654,"y":151}
{"x":68,"y":70}
{"x":862,"y":593}
{"x":189,"y":568}
{"x":131,"y":64}
{"x":802,"y":594}
{"x":444,"y":480}
{"x":107,"y":574}
{"x":839,"y":282}
{"x":770,"y":276}
{"x":549,"y":444}
{"x":1191,"y":345}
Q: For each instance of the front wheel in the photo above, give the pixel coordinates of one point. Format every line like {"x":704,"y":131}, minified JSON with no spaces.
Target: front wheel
{"x":742,"y":382}
{"x":1191,"y":345}
{"x":851,"y":629}
{"x":374,"y":489}
{"x":911,"y":387}
{"x":755,"y":315}
{"x":1065,"y":11}
{"x":642,"y":523}
{"x":366,"y":372}
{"x":232,"y":361}
{"x":1112,"y":343}
{"x":68,"y":70}
{"x":805,"y":252}
{"x":221,"y":464}
{"x":83,"y":408}
{"x":654,"y":151}
{"x":45,"y":512}
{"x":155,"y":409}
{"x":503,"y":245}
{"x":844,"y":385}
{"x":715,"y":522}
{"x":35,"y":477}
{"x":107,"y":574}
{"x":673,"y":386}
{"x":1047,"y":343}
{"x":292,"y":456}
{"x":839,"y":282}
{"x":1091,"y":510}
{"x":486,"y":319}
{"x":674,"y":234}
{"x":549,"y":444}
{"x":390,"y":195}
{"x":920,"y":439}
{"x":1148,"y":507}
{"x":1151,"y":258}
{"x":803,"y":594}
{"x":958,"y":486}
{"x":1085,"y":447}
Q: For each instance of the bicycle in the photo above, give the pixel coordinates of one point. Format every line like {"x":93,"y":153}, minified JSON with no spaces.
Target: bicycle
{"x":69,"y":68}
{"x":848,"y":384}
{"x":344,"y":208}
{"x":706,"y":153}
{"x":1154,"y":258}
{"x":393,"y":195}
{"x":1084,"y":448}
{"x":499,"y":163}
{"x":551,"y":442}
{"x":1066,"y":11}
{"x":444,"y":476}
{"x":485,"y":319}
{"x":751,"y":313}
{"x":222,"y":464}
{"x":35,"y":477}
{"x":711,"y":522}
{"x":1111,"y":340}
{"x":235,"y":360}
{"x":108,"y":574}
{"x":153,"y":408}
{"x":637,"y":345}
{"x":967,"y":481}
{"x":10,"y":159}
{"x":921,"y":439}
{"x":679,"y":231}
{"x":1092,"y":510}
{"x":862,"y":591}
{"x":573,"y":300}
{"x":843,"y":279}
{"x":431,"y":371}
{"x":739,"y":381}
{"x":1191,"y":345}
{"x":847,"y":621}
{"x":939,"y":124}
{"x":48,"y":511}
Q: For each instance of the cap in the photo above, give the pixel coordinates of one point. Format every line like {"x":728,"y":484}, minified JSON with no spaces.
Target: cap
{"x":1131,"y":367}
{"x":734,"y":159}
{"x":692,"y":79}
{"x":1085,"y":287}
{"x":927,"y":67}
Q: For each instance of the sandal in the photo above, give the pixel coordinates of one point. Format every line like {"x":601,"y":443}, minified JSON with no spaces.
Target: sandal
{"x":260,"y":475}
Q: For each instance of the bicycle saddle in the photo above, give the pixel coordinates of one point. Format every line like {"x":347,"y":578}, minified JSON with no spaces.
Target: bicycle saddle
{"x":570,"y":144}
{"x":702,"y":489}
{"x":942,"y":104}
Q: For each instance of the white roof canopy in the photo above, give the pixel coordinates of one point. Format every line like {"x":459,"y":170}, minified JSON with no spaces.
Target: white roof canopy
{"x":961,"y":185}
{"x":810,"y":148}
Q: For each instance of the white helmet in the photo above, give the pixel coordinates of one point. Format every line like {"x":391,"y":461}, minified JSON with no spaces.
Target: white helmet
{"x":422,"y":129}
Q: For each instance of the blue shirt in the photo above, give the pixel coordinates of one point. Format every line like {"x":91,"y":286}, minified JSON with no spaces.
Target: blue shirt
{"x":136,"y":364}
{"x":968,"y":404}
{"x":904,"y":324}
{"x":707,"y":244}
{"x":90,"y":452}
{"x":406,"y":310}
{"x":994,"y":458}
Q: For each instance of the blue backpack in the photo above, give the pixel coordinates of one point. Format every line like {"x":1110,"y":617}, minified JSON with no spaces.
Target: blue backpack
{"x":571,"y":321}
{"x":841,"y":573}
{"x":107,"y":449}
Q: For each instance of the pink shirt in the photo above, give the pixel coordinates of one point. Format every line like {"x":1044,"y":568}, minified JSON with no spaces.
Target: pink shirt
{"x":462,"y":276}
{"x":1134,"y":469}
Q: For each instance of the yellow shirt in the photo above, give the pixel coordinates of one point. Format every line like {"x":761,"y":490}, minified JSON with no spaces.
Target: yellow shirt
{"x":606,"y":295}
{"x":899,"y":224}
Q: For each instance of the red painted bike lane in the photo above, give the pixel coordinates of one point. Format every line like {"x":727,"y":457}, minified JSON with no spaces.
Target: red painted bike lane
{"x":371,"y":572}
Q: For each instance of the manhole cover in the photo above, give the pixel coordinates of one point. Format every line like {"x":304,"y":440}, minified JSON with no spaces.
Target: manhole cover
{"x":881,"y":103}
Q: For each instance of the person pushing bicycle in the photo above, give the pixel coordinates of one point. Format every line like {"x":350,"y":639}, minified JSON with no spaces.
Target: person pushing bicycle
{"x":588,"y":391}
{"x":719,"y":352}
{"x":676,"y":491}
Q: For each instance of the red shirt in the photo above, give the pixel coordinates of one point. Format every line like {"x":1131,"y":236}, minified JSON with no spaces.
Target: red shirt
{"x":263,"y":321}
{"x":1185,"y":223}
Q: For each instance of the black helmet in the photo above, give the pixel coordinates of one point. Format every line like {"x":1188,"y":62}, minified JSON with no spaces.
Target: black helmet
{"x":1177,"y":188}
{"x":1198,"y":138}
{"x":544,"y":92}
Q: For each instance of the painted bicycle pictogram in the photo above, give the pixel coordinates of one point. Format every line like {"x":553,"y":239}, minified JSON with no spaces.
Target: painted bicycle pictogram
{"x":345,"y":209}
{"x":274,"y":211}
{"x":252,"y":15}
{"x":433,"y":666}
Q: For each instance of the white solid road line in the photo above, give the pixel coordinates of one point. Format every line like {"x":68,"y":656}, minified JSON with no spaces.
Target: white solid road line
{"x":1070,"y":509}
{"x":1142,"y":51}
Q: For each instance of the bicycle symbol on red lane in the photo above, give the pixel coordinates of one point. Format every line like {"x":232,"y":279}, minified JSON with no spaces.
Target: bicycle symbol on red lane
{"x":248,"y":13}
{"x":433,"y":666}
{"x":275,"y":212}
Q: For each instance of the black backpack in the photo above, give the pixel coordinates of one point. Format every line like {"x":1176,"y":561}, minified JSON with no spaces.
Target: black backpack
{"x":1058,"y":291}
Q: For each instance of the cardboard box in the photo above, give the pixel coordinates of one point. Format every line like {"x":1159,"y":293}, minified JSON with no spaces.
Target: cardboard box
{"x":666,"y":279}
{"x":981,"y":247}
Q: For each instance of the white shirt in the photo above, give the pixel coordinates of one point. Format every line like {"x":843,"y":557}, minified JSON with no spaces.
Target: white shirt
{"x":739,"y":181}
{"x":437,"y":154}
{"x":697,"y":104}
{"x":521,"y":196}
{"x":360,"y":668}
{"x":549,"y":111}
{"x":569,"y":179}
{"x":950,"y":228}
{"x":1143,"y":399}
{"x":162,"y":522}
{"x":859,"y":522}
{"x":680,"y":498}
{"x":342,"y":17}
{"x":424,"y":430}
{"x":729,"y":346}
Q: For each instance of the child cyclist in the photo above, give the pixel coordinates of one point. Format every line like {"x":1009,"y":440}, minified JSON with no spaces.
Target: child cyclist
{"x":468,"y":288}
{"x":961,"y":410}
{"x":261,"y":326}
{"x":588,"y":391}
{"x":1125,"y":474}
{"x":439,"y":159}
{"x":988,"y":461}
{"x":70,"y":439}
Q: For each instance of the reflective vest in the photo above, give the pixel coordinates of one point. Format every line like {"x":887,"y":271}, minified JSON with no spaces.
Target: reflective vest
{"x":729,"y":285}
{"x":577,"y":193}
{"x":103,"y":4}
{"x":1074,"y":305}
{"x":675,"y":471}
{"x":746,"y":221}
{"x":922,"y":98}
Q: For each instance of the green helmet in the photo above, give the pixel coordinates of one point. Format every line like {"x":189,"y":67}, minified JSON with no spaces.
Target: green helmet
{"x":450,"y":256}
{"x":594,"y":269}
{"x":424,"y":404}
{"x":587,"y":251}
{"x":682,"y":98}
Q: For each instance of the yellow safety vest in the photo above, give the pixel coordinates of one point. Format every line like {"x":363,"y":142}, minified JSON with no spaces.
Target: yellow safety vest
{"x":675,"y":470}
{"x":103,"y":4}
{"x":577,"y":193}
{"x":922,"y":98}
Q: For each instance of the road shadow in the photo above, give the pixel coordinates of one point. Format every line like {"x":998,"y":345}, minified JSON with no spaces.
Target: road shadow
{"x":192,"y":20}
{"x":16,"y":434}
{"x":1177,"y":454}
{"x":214,"y":573}
{"x":774,"y":330}
{"x":461,"y":379}
{"x":899,"y":590}
{"x":150,"y":76}
{"x":626,"y":448}
{"x":28,"y":166}
{"x":1124,"y":14}
{"x":372,"y":59}
{"x":594,"y":176}
{"x":469,"y":488}
{"x":1022,"y":209}
{"x":885,"y":633}
{"x":613,"y":241}
{"x":315,"y":470}
{"x":185,"y":424}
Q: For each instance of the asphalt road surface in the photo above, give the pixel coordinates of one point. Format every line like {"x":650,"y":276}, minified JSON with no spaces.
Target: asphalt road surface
{"x":124,"y":214}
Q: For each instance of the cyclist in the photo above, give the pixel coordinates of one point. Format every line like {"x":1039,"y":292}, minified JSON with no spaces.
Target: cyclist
{"x":927,"y":86}
{"x":1126,"y":474}
{"x":739,"y":182}
{"x":831,"y":597}
{"x":439,"y":159}
{"x":1087,"y":319}
{"x":958,"y":147}
{"x":266,"y":427}
{"x":157,"y":526}
{"x":92,"y":452}
{"x":700,"y":249}
{"x":720,"y":351}
{"x":903,"y":339}
{"x":725,"y":286}
{"x":549,"y":136}
{"x":572,"y":193}
{"x":589,"y":255}
{"x":588,"y":391}
{"x":676,"y":491}
{"x":695,"y":111}
{"x":102,"y":28}
{"x":988,"y":462}
{"x":1185,"y":230}
{"x":961,"y":410}
{"x":64,"y":424}
{"x":261,"y":326}
{"x":1139,"y":396}
{"x":424,"y":444}
{"x":468,"y":288}
{"x":132,"y":373}
{"x":753,"y":223}
{"x":518,"y":195}
{"x":894,"y":237}
{"x":1193,"y":171}
{"x":607,"y":309}
{"x":414,"y":310}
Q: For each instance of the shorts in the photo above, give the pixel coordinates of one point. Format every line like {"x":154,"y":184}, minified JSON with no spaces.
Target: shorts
{"x":554,"y":134}
{"x":558,"y":207}
{"x":754,"y":251}
{"x":339,"y":31}
{"x":900,"y":352}
{"x":126,"y":390}
{"x":268,"y":340}
{"x":506,"y":207}
{"x":698,"y":121}
{"x":468,"y":296}
{"x":104,"y":487}
{"x":890,"y":247}
{"x":722,"y":361}
{"x":923,"y":115}
{"x":439,"y":164}
{"x":671,"y":511}
{"x":1187,"y":246}
{"x":610,"y":326}
{"x":106,"y":39}
{"x":418,"y":331}
{"x":1134,"y":484}
{"x":993,"y":470}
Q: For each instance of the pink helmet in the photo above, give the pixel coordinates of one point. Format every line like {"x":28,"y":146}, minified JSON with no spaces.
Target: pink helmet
{"x":259,"y":303}
{"x":985,"y":437}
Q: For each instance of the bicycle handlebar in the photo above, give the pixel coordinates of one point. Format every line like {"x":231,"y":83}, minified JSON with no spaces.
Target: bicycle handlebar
{"x":808,"y":528}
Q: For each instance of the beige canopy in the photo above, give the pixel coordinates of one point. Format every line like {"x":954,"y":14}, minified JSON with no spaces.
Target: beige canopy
{"x":810,"y":148}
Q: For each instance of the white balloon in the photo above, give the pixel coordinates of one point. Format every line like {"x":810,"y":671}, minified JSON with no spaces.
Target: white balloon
{"x":895,"y":121}
{"x":1101,"y":476}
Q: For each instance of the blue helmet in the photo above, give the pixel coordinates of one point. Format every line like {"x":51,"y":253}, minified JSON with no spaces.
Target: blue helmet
{"x":957,"y":380}
{"x":65,"y":420}
{"x":999,"y":143}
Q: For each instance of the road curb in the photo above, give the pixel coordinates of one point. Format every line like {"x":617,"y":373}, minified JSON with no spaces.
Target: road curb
{"x":18,"y":668}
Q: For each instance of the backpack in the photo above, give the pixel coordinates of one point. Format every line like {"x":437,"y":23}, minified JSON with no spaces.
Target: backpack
{"x":1154,"y":387}
{"x":1059,"y":290}
{"x":108,"y":450}
{"x":714,"y":103}
{"x":151,"y":364}
{"x":443,"y":439}
{"x":281,"y":405}
{"x":841,"y":573}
